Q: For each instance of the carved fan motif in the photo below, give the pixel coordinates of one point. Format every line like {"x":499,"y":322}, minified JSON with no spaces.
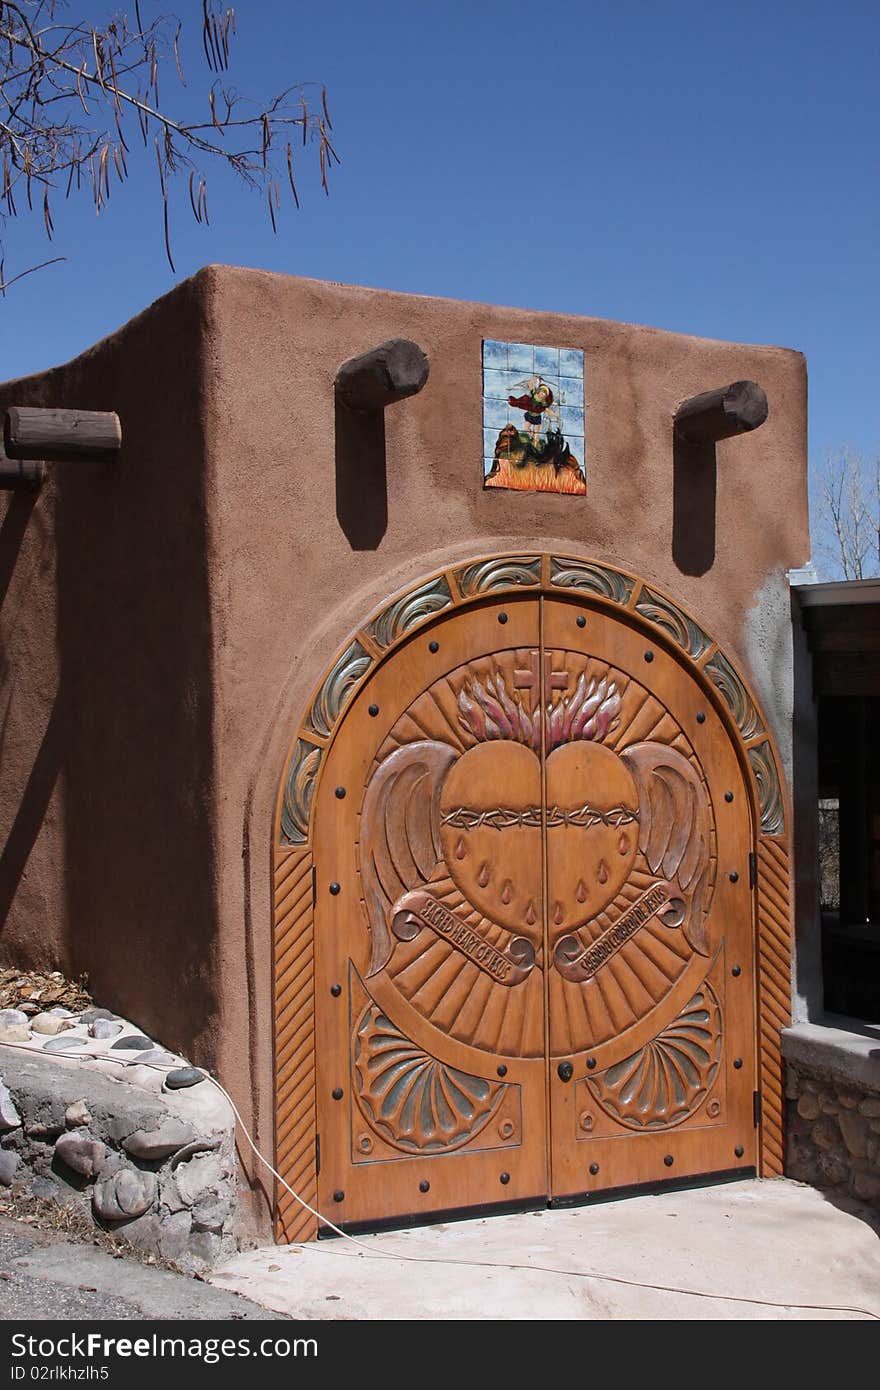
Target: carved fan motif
{"x":411,"y":1100}
{"x":668,"y":1080}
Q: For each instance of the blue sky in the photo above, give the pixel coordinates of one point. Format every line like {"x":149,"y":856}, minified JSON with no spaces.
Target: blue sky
{"x":707,"y":168}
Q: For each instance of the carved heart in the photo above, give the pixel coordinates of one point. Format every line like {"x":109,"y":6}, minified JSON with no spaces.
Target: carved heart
{"x":496,"y":865}
{"x":491,"y":833}
{"x":587,"y":865}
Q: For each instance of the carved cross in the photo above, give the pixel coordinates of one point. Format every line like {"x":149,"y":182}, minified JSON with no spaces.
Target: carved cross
{"x":531,"y":679}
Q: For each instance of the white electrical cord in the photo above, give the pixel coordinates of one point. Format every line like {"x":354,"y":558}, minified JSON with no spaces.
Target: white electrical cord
{"x":367,"y":1252}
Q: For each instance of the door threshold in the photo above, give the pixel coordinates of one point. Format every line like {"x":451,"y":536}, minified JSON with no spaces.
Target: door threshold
{"x":433,"y":1218}
{"x":414,"y":1220}
{"x":647,"y":1189}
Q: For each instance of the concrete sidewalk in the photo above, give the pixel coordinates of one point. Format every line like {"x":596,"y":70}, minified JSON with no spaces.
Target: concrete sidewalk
{"x":745,"y":1250}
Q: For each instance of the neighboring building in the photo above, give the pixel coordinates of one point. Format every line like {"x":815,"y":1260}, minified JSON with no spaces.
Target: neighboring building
{"x":834,"y":1047}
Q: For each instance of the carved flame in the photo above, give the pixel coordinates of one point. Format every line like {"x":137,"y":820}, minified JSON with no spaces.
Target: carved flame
{"x":489,"y":711}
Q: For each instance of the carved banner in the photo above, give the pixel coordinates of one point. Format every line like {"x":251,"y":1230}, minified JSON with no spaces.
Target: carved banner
{"x":577,"y":964}
{"x":508,"y":966}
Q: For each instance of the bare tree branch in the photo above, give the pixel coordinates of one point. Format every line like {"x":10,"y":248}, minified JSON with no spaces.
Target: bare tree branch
{"x":846,"y":515}
{"x":4,"y":283}
{"x":67,"y":90}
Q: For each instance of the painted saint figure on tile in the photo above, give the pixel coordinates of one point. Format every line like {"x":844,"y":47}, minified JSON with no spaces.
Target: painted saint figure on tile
{"x":533,"y":417}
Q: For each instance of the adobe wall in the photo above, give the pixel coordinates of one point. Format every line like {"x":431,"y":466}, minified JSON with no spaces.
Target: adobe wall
{"x":107,"y":788}
{"x":187,"y":603}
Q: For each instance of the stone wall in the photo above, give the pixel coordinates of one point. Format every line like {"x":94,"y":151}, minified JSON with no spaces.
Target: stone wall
{"x":833,"y":1128}
{"x":112,"y":1131}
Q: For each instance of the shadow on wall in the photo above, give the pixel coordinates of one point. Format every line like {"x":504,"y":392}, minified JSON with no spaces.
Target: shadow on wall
{"x":135,"y":661}
{"x":125,"y":874}
{"x":361,"y":476}
{"x":39,"y":786}
{"x":694,"y":473}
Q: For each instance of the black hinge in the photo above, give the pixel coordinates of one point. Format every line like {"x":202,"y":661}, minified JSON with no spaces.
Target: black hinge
{"x":314,"y":886}
{"x":756,"y":1108}
{"x":317,"y":1154}
{"x":753,"y":870}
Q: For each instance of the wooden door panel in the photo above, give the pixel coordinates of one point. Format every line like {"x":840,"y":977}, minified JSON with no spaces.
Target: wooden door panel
{"x":533,"y":951}
{"x":651,"y":982}
{"x":430,"y":1034}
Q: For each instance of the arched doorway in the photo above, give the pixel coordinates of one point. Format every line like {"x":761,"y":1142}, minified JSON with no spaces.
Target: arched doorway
{"x":516,"y":911}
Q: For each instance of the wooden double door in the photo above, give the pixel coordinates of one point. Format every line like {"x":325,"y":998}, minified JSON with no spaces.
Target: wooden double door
{"x":534,"y":954}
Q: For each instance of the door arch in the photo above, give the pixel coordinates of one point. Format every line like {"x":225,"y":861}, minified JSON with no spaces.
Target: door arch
{"x":515,"y":906}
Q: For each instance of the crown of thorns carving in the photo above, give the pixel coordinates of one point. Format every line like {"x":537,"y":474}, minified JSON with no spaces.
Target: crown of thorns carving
{"x":499,"y":818}
{"x":489,"y":711}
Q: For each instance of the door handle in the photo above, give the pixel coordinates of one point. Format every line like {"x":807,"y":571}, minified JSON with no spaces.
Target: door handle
{"x":565,"y":1071}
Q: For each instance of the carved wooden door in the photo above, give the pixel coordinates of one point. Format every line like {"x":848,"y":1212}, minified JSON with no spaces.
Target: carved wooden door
{"x":533,"y":954}
{"x":651,"y":982}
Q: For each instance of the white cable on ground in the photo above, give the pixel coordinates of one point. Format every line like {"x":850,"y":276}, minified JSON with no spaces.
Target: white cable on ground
{"x":367,"y":1252}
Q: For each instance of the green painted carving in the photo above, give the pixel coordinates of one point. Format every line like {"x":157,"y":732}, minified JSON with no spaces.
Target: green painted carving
{"x":722,"y":674}
{"x":410,"y":1099}
{"x":337,"y":689}
{"x":507,"y":573}
{"x":769,"y":792}
{"x":682,"y":628}
{"x":298,"y":792}
{"x":408,"y":611}
{"x":575,"y":574}
{"x":668,"y":1080}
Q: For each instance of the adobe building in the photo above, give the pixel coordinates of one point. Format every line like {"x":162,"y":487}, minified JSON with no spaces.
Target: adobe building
{"x":407,"y":736}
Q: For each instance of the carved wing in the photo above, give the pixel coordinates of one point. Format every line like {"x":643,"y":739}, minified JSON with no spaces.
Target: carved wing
{"x":674,"y":827}
{"x":400,"y":833}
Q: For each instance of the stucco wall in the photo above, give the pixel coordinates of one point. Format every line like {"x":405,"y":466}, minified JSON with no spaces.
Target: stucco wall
{"x":106,"y":774}
{"x":205,"y":582}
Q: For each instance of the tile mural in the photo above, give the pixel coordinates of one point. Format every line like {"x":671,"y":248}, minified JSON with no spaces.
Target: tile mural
{"x":533,"y":417}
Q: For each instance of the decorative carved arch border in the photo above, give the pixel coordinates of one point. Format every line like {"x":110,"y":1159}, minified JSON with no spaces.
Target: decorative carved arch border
{"x":293,"y":901}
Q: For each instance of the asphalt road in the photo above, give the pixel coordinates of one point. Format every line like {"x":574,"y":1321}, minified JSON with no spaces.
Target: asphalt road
{"x":44,"y":1276}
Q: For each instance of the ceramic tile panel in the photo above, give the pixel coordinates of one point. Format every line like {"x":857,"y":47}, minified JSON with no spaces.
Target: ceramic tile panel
{"x":533,"y":417}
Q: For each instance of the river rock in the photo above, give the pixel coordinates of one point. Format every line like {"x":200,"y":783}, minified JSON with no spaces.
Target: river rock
{"x":157,"y":1056}
{"x":104,"y":1028}
{"x":854,"y":1128}
{"x":148,"y":1078}
{"x":81,"y":1152}
{"x":11,"y":1018}
{"x":199,"y":1177}
{"x":63,"y":1043}
{"x":9,"y":1116}
{"x":210,"y":1211}
{"x":89,"y":1015}
{"x":181,"y":1077}
{"x":77,"y":1114}
{"x":128,"y":1193}
{"x":8,"y":1165}
{"x":156,"y":1144}
{"x":198,"y":1146}
{"x":144,"y":1230}
{"x":174,"y":1234}
{"x":808,"y":1106}
{"x":15,"y":1032}
{"x":132,"y":1042}
{"x":49,"y":1024}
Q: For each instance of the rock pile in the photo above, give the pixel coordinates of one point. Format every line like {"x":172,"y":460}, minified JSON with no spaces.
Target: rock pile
{"x":93,"y":1112}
